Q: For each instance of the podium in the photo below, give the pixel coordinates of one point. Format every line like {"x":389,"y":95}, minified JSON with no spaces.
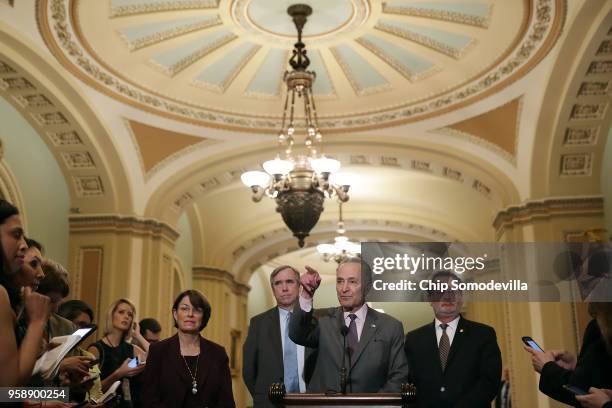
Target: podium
{"x":403,"y":399}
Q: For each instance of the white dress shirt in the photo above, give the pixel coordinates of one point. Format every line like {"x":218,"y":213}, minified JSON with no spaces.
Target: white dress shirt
{"x":450,"y":330}
{"x":282,"y":314}
{"x":306,"y":305}
{"x":359,"y":321}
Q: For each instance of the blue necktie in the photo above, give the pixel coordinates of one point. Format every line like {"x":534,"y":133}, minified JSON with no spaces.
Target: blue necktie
{"x":290,"y":361}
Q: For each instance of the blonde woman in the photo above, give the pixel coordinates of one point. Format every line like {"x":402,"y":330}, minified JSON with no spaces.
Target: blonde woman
{"x":115,"y":352}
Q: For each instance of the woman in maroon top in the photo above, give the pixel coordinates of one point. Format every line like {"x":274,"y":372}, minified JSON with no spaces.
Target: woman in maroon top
{"x":187,"y":370}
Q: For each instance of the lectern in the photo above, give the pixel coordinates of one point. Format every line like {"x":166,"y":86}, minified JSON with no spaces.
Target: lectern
{"x":404,"y":399}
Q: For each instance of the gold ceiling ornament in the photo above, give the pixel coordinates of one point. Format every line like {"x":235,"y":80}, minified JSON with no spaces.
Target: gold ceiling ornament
{"x":299,"y":182}
{"x":342,"y":248}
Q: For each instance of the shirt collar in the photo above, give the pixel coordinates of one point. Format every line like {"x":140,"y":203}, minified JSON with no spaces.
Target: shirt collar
{"x":283,"y":312}
{"x":452,"y":324}
{"x":361,"y":313}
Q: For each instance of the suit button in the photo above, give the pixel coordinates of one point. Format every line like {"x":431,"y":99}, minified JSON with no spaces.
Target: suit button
{"x":442,"y":389}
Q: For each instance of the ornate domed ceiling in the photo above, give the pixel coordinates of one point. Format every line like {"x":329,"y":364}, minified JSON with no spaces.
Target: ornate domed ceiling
{"x":220,"y":62}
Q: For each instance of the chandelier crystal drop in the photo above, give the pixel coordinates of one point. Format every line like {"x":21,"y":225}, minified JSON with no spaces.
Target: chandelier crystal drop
{"x":299,"y":179}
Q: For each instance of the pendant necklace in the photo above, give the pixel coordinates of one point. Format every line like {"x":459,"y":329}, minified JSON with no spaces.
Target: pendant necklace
{"x":194,"y":381}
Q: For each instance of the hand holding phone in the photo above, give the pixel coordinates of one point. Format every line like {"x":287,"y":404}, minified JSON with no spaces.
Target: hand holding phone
{"x":529,"y":342}
{"x":133,"y":363}
{"x":574,"y":390}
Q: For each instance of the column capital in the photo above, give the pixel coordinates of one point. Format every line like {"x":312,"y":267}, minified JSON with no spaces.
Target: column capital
{"x":122,"y":224}
{"x":547,"y":208}
{"x":201,"y":272}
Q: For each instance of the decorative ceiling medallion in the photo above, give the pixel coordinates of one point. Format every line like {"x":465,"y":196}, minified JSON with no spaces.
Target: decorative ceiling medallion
{"x":63,"y":32}
{"x":265,"y":18}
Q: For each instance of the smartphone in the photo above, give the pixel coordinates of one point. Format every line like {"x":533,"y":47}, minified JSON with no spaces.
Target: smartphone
{"x":133,"y":363}
{"x":531,"y":343}
{"x":575,"y":390}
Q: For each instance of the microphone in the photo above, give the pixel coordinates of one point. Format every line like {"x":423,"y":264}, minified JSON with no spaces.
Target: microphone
{"x":344,"y":331}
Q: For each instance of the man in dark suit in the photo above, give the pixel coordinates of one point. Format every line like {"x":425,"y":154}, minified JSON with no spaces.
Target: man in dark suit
{"x":374,"y":357}
{"x":269,"y":356}
{"x":454,"y":362}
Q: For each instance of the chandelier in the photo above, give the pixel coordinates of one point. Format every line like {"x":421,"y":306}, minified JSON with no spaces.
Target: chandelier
{"x":342,"y":248}
{"x":299,"y":181}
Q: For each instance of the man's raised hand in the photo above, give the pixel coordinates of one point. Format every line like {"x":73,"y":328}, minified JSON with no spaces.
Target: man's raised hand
{"x":310,"y":281}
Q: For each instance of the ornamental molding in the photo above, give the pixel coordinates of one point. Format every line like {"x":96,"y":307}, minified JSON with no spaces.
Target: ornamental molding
{"x":547,"y":208}
{"x":56,"y":20}
{"x":206,"y":273}
{"x":100,"y":223}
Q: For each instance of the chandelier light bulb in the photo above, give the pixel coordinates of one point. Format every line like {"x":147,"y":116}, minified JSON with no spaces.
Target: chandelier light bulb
{"x":255,"y":179}
{"x":290,"y":130}
{"x":326,"y":249}
{"x":325,"y":165}
{"x":278,"y":166}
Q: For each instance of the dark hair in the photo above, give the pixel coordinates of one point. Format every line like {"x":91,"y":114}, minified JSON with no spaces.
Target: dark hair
{"x":32,"y":243}
{"x":278,"y":270}
{"x":72,"y":308}
{"x":55,"y":280}
{"x":7,"y":210}
{"x":198,"y":301}
{"x":149,"y":324}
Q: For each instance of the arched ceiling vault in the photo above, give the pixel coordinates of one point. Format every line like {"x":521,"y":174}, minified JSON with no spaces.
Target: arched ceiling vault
{"x":430,"y":103}
{"x":77,"y":138}
{"x":202,"y":178}
{"x":570,"y":137}
{"x":219,"y":63}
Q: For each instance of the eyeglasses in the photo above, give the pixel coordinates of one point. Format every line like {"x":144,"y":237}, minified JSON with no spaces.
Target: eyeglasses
{"x":188,"y":309}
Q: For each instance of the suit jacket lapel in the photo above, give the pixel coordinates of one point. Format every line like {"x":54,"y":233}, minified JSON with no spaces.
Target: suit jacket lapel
{"x":275,"y":338}
{"x":367,"y":333}
{"x":432,"y":342}
{"x":458,"y":340}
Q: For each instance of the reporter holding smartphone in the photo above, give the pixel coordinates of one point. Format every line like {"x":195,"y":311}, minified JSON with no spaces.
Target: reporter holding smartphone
{"x":589,"y":371}
{"x":115,"y":352}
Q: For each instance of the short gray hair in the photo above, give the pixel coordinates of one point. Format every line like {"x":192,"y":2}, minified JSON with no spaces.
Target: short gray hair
{"x":366,"y":271}
{"x":278,"y":270}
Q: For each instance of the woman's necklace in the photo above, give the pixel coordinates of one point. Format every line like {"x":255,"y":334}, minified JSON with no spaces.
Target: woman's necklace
{"x":110,"y":343}
{"x":194,"y":381}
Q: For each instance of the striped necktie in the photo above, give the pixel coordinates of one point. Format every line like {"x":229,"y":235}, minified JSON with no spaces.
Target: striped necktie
{"x":444,"y":346}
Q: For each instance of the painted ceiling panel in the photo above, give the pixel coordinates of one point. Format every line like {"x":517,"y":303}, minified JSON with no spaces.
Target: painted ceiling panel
{"x":219,"y":75}
{"x":147,"y":34}
{"x":127,"y":7}
{"x":477,"y":14}
{"x":364,"y":78}
{"x":177,"y":59}
{"x":453,"y":44}
{"x":323,"y":85}
{"x":268,"y":78}
{"x":406,"y":63}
